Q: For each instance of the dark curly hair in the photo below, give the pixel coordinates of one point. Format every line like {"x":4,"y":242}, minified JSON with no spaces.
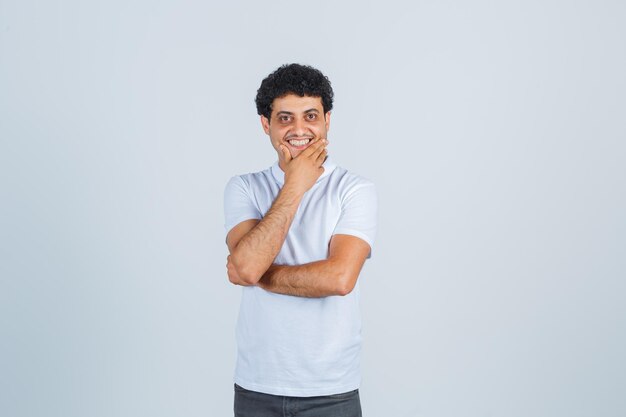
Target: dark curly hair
{"x":301,"y":80}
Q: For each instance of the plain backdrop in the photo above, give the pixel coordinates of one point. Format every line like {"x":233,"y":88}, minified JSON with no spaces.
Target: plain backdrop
{"x":495,"y":133}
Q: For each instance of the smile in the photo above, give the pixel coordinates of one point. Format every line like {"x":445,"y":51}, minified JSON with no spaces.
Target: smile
{"x":299,"y":142}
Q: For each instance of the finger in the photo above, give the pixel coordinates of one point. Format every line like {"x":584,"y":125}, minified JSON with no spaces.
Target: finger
{"x":320,"y":142}
{"x":318,"y":151}
{"x":321,"y":158}
{"x":284,"y":153}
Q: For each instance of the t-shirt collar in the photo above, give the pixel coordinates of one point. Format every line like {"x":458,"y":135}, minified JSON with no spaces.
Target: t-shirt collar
{"x":329,"y":166}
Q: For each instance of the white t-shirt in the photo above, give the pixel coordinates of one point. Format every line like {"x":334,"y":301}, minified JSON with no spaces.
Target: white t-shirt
{"x":297,"y":346}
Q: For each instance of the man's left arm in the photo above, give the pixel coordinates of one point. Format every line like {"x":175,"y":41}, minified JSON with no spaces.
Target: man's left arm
{"x":336,"y":275}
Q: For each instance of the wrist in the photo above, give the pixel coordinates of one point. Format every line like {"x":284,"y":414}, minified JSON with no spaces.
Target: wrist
{"x":293,"y":190}
{"x":265,"y":280}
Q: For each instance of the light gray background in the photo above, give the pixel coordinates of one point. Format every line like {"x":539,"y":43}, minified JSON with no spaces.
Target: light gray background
{"x":495,"y":132}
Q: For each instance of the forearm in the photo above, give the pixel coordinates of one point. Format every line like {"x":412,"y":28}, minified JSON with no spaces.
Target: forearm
{"x":315,"y":279}
{"x":256,"y":251}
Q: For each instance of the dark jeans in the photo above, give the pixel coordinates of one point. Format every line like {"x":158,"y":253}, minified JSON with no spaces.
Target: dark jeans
{"x":256,"y":404}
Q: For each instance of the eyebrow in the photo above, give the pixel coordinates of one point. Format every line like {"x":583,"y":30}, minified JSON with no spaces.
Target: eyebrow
{"x":290,"y":113}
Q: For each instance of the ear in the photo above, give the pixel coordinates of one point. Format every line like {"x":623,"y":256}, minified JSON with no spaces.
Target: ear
{"x":327,"y":119}
{"x":266,"y":124}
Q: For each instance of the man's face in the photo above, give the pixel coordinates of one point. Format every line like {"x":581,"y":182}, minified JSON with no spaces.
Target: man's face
{"x":295,"y":122}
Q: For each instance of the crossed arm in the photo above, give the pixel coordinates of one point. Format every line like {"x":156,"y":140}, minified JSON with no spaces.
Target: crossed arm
{"x":336,"y":275}
{"x":254,"y":244}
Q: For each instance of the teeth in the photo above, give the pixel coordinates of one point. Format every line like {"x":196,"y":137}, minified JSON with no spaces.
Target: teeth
{"x":295,"y":142}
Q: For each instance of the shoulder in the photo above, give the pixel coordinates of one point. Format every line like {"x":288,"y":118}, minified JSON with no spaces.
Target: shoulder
{"x":250,"y":179}
{"x":347,"y":181}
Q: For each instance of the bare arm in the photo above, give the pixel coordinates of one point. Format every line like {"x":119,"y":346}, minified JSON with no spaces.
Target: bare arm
{"x":255,"y":244}
{"x":336,"y":275}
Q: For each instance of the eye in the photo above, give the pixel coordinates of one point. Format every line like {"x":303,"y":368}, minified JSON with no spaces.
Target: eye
{"x":311,"y":116}
{"x":284,"y":118}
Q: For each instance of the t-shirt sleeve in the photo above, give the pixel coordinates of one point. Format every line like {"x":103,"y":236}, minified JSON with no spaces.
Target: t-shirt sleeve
{"x":238,"y":204}
{"x":359,"y":211}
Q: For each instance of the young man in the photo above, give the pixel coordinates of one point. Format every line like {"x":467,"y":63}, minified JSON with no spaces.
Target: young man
{"x":298,"y":234}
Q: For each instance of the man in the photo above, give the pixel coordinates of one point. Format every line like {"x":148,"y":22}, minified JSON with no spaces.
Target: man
{"x":298,"y":234}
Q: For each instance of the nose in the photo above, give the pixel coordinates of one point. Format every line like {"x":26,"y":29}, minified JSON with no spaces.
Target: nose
{"x":299,"y":127}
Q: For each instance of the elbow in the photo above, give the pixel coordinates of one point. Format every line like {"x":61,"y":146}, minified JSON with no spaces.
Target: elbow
{"x":238,"y":279}
{"x":243,"y":280}
{"x":249,"y":277}
{"x":345,"y":284}
{"x":241,"y":273}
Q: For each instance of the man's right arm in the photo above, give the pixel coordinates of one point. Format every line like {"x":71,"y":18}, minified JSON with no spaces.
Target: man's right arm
{"x":254,"y":244}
